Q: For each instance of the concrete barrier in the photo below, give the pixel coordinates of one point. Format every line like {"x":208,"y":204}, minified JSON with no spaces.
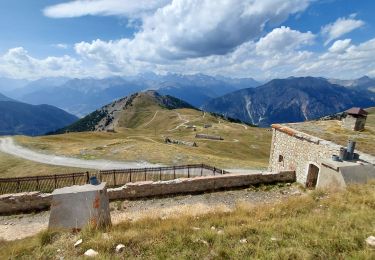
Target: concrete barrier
{"x":77,"y":206}
{"x":34,"y":201}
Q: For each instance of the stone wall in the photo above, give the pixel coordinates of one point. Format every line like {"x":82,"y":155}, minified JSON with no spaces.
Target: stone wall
{"x":24,"y":202}
{"x":198,"y":184}
{"x":294,"y":150}
{"x":32,"y":201}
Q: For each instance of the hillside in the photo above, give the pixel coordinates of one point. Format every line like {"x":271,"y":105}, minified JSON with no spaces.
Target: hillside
{"x":21,"y":118}
{"x":288,"y":100}
{"x":333,"y":130}
{"x":126,"y":112}
{"x":140,"y":131}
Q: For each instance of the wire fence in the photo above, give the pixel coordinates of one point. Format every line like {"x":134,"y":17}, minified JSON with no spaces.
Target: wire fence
{"x":113,"y":178}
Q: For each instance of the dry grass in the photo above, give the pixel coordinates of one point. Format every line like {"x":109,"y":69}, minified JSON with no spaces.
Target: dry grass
{"x":334,"y":131}
{"x":242,"y":148}
{"x":11,"y":166}
{"x":320,"y":225}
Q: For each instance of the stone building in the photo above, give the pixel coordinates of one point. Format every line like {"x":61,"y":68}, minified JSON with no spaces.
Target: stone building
{"x":355,"y":119}
{"x":311,"y":158}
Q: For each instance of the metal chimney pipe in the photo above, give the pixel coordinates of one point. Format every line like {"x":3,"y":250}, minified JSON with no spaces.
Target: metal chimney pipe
{"x":343,"y":153}
{"x":350,"y":149}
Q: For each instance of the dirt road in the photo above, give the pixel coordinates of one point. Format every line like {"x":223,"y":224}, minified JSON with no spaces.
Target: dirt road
{"x":7,"y":145}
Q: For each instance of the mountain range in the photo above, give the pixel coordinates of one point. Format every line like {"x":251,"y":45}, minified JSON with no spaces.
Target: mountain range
{"x":363,"y":83}
{"x":25,"y":119}
{"x":82,"y":96}
{"x":280,"y":100}
{"x":289,"y":100}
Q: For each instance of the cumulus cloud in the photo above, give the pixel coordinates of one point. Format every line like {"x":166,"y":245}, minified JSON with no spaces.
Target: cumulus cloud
{"x":130,"y":8}
{"x":198,"y":28}
{"x":340,"y":45}
{"x":355,"y":61}
{"x":341,"y":27}
{"x":17,"y":63}
{"x":201,"y":36}
{"x":283,"y":39}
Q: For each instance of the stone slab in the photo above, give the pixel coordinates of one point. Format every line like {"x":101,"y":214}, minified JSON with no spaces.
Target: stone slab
{"x":77,"y":206}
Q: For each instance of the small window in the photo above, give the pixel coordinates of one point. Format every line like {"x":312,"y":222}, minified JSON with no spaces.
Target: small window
{"x":281,"y":158}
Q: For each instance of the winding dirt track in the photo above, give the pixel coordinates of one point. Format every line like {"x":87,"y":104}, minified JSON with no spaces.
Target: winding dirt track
{"x":7,"y":145}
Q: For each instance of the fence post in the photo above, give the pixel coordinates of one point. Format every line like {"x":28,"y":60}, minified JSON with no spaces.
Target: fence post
{"x":174,"y":172}
{"x":130,"y":175}
{"x":114,"y":178}
{"x":87,"y":177}
{"x":188,"y":171}
{"x":160,"y":173}
{"x":214,"y":170}
{"x":55,"y":177}
{"x":37,"y":183}
{"x":145,"y":174}
{"x":202,"y":169}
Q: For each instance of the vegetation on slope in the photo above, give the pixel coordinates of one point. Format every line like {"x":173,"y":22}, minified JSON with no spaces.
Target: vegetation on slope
{"x":87,"y":123}
{"x":242,"y":147}
{"x":320,"y":225}
{"x":334,"y":131}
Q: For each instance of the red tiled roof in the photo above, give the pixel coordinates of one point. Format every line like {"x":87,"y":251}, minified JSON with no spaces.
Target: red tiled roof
{"x":357,"y":111}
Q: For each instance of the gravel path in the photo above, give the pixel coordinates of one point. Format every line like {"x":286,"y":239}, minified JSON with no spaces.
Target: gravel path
{"x":21,"y":226}
{"x":8,"y":146}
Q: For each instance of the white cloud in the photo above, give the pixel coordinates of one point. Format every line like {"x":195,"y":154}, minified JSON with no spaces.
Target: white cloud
{"x":17,"y":63}
{"x":197,"y":28}
{"x":341,"y":27}
{"x":355,"y":61}
{"x":131,"y":8}
{"x":61,"y":46}
{"x":340,"y":46}
{"x":201,"y":36}
{"x":283,"y":39}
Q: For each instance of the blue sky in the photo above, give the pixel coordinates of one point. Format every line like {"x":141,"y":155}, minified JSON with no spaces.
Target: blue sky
{"x":241,"y":38}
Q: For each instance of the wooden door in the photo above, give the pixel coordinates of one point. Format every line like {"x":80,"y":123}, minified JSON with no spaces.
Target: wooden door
{"x":312,"y":176}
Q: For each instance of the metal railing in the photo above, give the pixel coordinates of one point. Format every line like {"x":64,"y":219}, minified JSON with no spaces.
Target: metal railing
{"x":113,"y":178}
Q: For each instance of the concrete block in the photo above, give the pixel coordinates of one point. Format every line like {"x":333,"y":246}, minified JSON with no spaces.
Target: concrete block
{"x":77,"y":206}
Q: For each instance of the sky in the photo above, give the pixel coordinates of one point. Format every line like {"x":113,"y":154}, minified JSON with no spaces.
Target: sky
{"x":262,"y":39}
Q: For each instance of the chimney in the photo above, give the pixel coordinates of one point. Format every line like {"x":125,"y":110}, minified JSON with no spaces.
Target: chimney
{"x":350,"y":150}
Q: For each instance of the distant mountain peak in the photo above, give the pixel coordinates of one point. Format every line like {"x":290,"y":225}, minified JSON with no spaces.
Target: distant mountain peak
{"x":364,"y":78}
